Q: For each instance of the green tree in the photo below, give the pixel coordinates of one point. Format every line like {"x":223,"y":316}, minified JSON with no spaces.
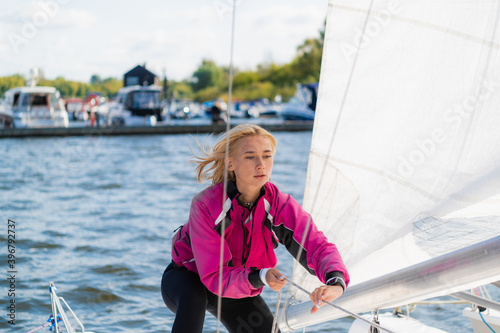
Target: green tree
{"x":307,"y":64}
{"x":243,"y":79}
{"x":95,"y":80}
{"x":279,"y":75}
{"x":9,"y":82}
{"x":110,"y":86}
{"x":207,"y":75}
{"x":256,"y":90}
{"x":180,"y":90}
{"x":82,"y":89}
{"x":207,"y":94}
{"x":66,"y":88}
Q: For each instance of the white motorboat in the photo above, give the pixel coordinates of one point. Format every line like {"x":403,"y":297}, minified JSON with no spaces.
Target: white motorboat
{"x":302,"y":105}
{"x":36,"y":107}
{"x":136,"y":106}
{"x":264,"y":109}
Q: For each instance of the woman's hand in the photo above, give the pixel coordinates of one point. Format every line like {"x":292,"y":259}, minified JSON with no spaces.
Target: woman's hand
{"x":325,"y":293}
{"x":275,"y":279}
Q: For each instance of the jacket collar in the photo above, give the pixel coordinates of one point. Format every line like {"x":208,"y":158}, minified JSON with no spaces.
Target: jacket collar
{"x":232,"y":190}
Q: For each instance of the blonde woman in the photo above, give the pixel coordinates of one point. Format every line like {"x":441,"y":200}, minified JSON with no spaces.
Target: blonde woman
{"x":255,"y":217}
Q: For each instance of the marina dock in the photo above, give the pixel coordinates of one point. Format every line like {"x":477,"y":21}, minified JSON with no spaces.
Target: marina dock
{"x":186,"y":128}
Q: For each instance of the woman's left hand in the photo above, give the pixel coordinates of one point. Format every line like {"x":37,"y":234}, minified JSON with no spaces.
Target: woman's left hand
{"x":325,"y":293}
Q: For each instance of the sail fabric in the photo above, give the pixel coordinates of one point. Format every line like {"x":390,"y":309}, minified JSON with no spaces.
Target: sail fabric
{"x":405,"y":155}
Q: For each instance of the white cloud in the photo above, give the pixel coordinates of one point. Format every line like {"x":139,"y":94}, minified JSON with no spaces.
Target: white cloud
{"x":276,"y":31}
{"x":109,"y":38}
{"x":74,"y":18}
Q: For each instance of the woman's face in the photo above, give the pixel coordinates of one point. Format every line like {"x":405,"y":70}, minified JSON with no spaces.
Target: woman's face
{"x":252,"y":163}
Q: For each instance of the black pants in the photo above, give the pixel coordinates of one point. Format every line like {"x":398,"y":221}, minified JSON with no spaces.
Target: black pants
{"x":187,"y":297}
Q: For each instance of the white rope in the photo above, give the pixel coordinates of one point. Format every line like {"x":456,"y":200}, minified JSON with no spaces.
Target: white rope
{"x":39,"y":328}
{"x":228,"y":127}
{"x":276,"y":311}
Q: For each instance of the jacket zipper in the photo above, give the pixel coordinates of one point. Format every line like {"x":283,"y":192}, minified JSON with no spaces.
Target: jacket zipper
{"x":244,"y":240}
{"x":243,"y":257}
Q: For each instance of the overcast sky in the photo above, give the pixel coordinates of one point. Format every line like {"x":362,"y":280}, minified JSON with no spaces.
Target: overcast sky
{"x":78,"y":38}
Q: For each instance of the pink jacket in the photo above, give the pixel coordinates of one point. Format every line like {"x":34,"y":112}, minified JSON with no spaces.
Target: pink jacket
{"x":250,"y":237}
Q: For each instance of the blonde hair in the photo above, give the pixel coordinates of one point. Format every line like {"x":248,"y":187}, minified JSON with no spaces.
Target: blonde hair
{"x":211,"y":166}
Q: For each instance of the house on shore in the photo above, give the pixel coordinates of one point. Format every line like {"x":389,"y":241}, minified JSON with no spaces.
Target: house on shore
{"x":139,"y":75}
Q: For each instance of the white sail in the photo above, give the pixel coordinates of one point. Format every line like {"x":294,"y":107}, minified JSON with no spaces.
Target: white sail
{"x":405,"y":156}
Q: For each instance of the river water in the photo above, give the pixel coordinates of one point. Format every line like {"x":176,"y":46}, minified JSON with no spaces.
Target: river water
{"x":96,"y":214}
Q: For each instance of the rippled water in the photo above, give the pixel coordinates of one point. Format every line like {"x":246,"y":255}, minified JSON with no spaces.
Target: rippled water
{"x":96,"y":214}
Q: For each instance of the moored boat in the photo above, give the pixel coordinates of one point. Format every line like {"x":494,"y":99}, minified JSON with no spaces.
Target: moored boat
{"x":76,"y":108}
{"x":36,"y":107}
{"x":136,"y":106}
{"x":302,"y":105}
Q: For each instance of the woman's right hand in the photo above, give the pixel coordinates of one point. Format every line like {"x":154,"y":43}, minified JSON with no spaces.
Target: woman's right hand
{"x":275,"y":279}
